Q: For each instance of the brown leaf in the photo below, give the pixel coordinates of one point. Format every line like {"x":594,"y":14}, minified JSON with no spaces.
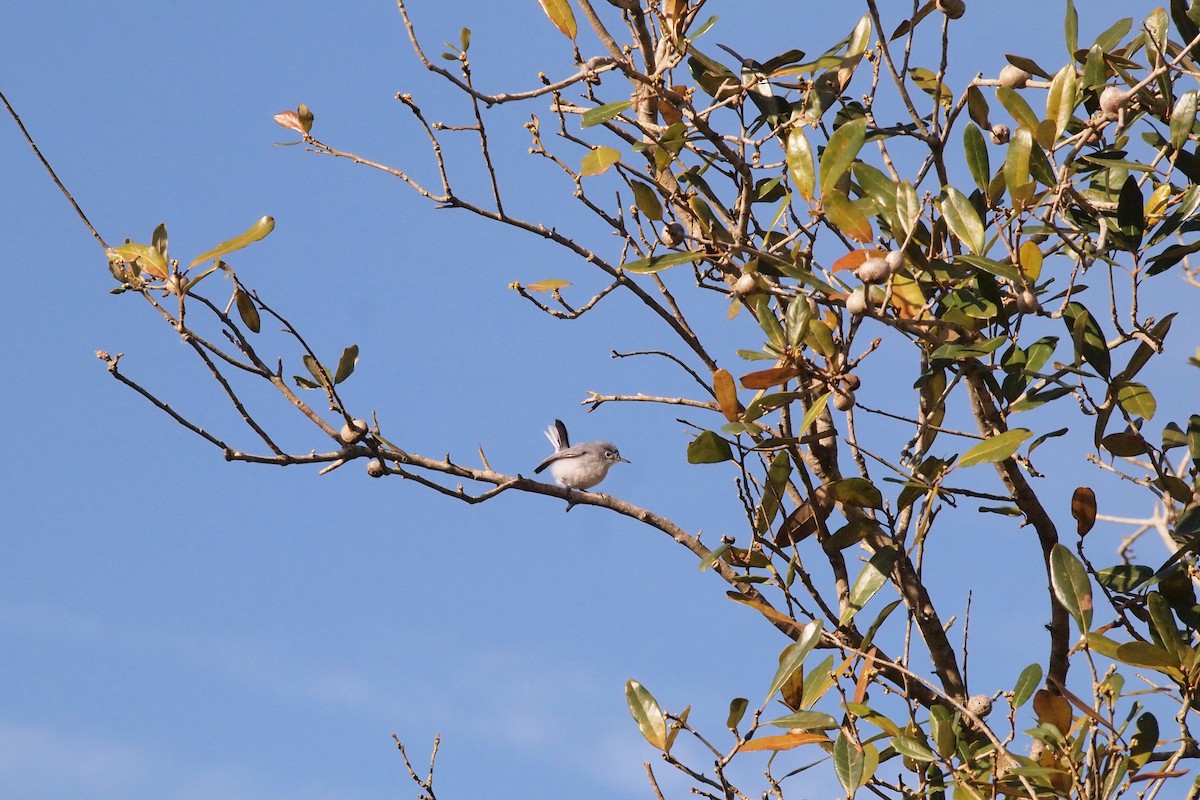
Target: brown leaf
{"x":1052,"y":708}
{"x":792,"y":690}
{"x":1083,"y":509}
{"x":726,"y":393}
{"x":765,"y":379}
{"x":799,"y":525}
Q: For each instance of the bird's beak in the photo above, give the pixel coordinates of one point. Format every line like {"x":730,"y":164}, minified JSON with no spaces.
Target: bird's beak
{"x":626,"y":460}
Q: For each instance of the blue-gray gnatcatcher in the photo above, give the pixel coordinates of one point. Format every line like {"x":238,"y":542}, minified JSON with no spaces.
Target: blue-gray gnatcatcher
{"x":579,"y":467}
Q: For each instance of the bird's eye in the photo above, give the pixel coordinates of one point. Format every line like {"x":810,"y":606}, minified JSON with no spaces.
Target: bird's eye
{"x":610,"y":455}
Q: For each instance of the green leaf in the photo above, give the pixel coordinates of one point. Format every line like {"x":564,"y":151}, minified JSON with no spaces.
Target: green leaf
{"x":318,"y":372}
{"x":1124,"y":578}
{"x":964,"y":223}
{"x":1027,"y":683}
{"x":646,"y":199}
{"x":911,"y":748}
{"x":158,"y":240}
{"x":258,"y":230}
{"x":708,"y":448}
{"x":1090,"y":344}
{"x":977,"y":108}
{"x":1018,"y":108}
{"x":1131,"y":213}
{"x":872,"y":578}
{"x":840,"y":152}
{"x":1069,"y":580}
{"x":995,"y":448}
{"x":800,"y":162}
{"x":1016,"y":164}
{"x":858,"y":492}
{"x":601,"y":114}
{"x":1145,"y":654}
{"x":598,"y":161}
{"x":246,"y":309}
{"x":977,"y":156}
{"x":806,"y":721}
{"x":1071,"y":28}
{"x":927,"y":81}
{"x":560,"y":13}
{"x":854,"y":764}
{"x":346,"y":364}
{"x":737,"y":710}
{"x":1137,"y":400}
{"x":1060,"y":100}
{"x":645,"y":266}
{"x":908,"y":206}
{"x":647,"y":714}
{"x":792,"y":657}
{"x":1183,"y":119}
{"x":1141,"y":747}
{"x":813,"y":412}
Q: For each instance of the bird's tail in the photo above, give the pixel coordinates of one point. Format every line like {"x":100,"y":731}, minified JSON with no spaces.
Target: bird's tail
{"x":557,"y":434}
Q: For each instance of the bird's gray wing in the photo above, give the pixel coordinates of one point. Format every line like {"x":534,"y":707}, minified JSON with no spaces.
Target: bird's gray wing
{"x":570,"y":452}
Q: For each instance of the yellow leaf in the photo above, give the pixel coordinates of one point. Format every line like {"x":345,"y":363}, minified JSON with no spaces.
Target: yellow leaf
{"x":784,"y":742}
{"x":726,"y":392}
{"x":559,"y":12}
{"x":1030,"y":261}
{"x":548,"y":285}
{"x":598,"y":161}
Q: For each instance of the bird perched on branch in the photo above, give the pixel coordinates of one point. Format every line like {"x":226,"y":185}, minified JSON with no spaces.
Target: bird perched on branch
{"x":579,"y":467}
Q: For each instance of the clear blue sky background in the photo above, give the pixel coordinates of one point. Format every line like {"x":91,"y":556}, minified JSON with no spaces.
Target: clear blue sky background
{"x":173,"y":626}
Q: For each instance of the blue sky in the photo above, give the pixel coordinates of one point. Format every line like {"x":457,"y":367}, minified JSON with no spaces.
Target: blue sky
{"x":177,"y":627}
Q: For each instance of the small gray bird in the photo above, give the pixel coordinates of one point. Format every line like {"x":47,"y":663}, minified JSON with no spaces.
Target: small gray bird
{"x":579,"y":467}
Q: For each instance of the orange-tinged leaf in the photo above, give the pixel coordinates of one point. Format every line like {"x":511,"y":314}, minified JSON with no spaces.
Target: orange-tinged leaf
{"x":854,"y":259}
{"x":548,"y":285}
{"x":907,"y":298}
{"x":598,"y":161}
{"x":726,"y":392}
{"x":784,"y":742}
{"x":844,"y":214}
{"x":765,"y":379}
{"x":800,"y":163}
{"x":1083,"y":509}
{"x":560,"y":13}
